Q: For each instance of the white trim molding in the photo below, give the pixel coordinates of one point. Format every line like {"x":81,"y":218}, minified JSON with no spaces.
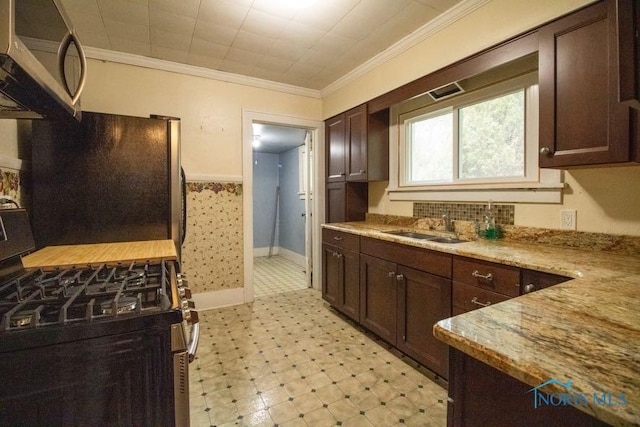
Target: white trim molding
{"x":219,"y":299}
{"x":213,"y":178}
{"x":13,"y":163}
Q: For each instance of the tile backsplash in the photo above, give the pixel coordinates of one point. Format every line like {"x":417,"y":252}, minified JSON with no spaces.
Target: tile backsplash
{"x":12,"y":184}
{"x":504,"y":214}
{"x":212,"y":254}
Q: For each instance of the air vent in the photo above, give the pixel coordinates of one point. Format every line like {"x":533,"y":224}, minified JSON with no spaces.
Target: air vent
{"x":445,"y":91}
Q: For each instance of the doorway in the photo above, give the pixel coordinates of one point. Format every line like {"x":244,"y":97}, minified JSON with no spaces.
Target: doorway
{"x":280,"y":175}
{"x":281,"y":229}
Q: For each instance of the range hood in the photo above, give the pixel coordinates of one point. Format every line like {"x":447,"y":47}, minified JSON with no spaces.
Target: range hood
{"x":33,"y":86}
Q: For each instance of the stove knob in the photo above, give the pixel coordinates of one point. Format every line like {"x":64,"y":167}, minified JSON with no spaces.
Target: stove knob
{"x":190,"y":316}
{"x":184,"y":293}
{"x":182,"y":283}
{"x":186,"y":305}
{"x":181,"y":275}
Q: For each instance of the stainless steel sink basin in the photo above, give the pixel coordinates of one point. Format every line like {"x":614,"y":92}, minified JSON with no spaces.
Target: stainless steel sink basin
{"x":411,"y":234}
{"x":447,"y":240}
{"x":421,"y":236}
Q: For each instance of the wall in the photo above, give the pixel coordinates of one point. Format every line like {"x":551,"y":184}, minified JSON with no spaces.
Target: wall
{"x":265,"y":181}
{"x":291,"y":207}
{"x":211,"y":110}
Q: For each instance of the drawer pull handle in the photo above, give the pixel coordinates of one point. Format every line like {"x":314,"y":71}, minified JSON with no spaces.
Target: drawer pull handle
{"x":337,"y":238}
{"x":482,"y":304}
{"x":477,"y":275}
{"x":392,"y":274}
{"x":400,"y":277}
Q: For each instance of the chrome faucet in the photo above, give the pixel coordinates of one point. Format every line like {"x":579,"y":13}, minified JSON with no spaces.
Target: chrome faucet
{"x":448,"y":223}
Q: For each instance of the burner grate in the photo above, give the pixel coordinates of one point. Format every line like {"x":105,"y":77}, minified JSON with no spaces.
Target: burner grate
{"x":87,"y":294}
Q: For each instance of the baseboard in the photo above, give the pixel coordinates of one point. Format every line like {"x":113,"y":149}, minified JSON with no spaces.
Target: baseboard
{"x":218,"y":299}
{"x":258,"y":252}
{"x":284,"y":253}
{"x":293,"y":257}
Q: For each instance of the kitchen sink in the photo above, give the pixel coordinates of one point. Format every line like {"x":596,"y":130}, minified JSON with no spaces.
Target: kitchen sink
{"x":421,"y":236}
{"x":412,"y":235}
{"x":447,"y":240}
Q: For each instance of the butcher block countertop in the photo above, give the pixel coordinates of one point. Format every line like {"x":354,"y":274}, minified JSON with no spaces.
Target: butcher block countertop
{"x":98,"y":253}
{"x":586,"y":330}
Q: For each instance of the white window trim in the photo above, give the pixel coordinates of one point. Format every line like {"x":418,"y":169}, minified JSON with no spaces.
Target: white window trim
{"x":538,"y":185}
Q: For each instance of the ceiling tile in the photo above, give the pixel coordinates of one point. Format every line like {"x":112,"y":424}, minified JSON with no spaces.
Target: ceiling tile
{"x":171,"y":22}
{"x":286,"y":50}
{"x":366,"y":17}
{"x":175,"y":55}
{"x":169,"y":40}
{"x":274,"y":64}
{"x":228,"y":13}
{"x":253,"y":42}
{"x":183,"y":7}
{"x":121,"y":30}
{"x":263,"y":24}
{"x":99,"y":40}
{"x":325,"y":14}
{"x":124,"y":11}
{"x":301,"y":35}
{"x":246,"y":57}
{"x":204,"y":61}
{"x":230,"y":66}
{"x":333,"y":45}
{"x":440,"y":5}
{"x":201,"y":47}
{"x":124,"y":45}
{"x":215,"y":33}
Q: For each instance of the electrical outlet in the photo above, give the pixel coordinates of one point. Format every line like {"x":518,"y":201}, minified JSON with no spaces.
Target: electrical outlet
{"x":568,"y":219}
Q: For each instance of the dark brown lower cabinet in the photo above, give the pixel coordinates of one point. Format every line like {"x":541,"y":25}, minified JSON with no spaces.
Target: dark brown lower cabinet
{"x":423,"y":300}
{"x":401,"y":305}
{"x":341,"y":284}
{"x":379,"y":297}
{"x":480,"y":395}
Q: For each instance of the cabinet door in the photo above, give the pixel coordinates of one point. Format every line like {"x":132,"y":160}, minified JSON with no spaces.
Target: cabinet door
{"x":628,"y":17}
{"x":581,"y":120}
{"x":356,"y":143}
{"x":336,"y":202}
{"x":423,"y":300}
{"x":378,"y":297}
{"x":335,"y":148}
{"x":331,"y":275}
{"x":351,"y":284}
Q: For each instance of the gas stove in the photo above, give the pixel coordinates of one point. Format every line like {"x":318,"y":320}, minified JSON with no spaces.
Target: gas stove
{"x":127,"y":325}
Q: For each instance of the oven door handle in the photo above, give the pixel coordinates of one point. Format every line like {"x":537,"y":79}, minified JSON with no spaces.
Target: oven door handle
{"x":194,"y":336}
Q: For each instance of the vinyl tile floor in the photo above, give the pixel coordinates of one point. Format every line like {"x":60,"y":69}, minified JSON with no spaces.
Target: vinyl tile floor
{"x":290,"y":360}
{"x":275,"y":275}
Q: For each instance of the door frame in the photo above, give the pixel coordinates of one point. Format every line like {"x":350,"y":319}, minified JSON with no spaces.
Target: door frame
{"x":318,"y":203}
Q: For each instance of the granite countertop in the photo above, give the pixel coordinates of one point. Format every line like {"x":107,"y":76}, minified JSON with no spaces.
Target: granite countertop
{"x":586,"y":330}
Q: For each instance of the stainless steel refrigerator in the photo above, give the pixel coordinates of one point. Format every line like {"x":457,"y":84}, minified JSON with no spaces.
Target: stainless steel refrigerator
{"x":109,"y":178}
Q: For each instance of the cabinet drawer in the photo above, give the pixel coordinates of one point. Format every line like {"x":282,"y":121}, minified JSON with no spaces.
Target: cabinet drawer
{"x":503,"y":279}
{"x":536,"y":280}
{"x":467,"y":298}
{"x":421,"y":259}
{"x":341,"y":239}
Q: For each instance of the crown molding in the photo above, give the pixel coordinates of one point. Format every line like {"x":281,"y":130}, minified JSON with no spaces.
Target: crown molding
{"x":193,"y":70}
{"x":175,"y":67}
{"x":442,"y":21}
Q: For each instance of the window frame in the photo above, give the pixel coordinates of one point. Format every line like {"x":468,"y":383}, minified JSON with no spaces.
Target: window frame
{"x":537,"y":185}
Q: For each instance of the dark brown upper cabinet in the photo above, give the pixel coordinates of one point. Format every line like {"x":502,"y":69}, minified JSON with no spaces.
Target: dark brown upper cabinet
{"x":582,"y":122}
{"x":628,"y":20}
{"x":357,"y":146}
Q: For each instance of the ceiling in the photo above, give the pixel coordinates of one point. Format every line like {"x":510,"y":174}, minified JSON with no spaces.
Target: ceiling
{"x":276,"y":139}
{"x":307,"y":43}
